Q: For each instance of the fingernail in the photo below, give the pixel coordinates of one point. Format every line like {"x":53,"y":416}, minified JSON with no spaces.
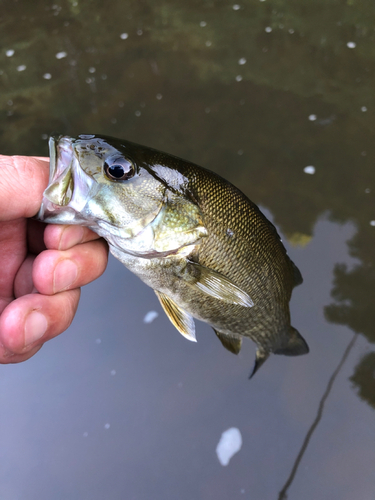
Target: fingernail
{"x":72,"y":235}
{"x":65,"y":274}
{"x":35,"y":327}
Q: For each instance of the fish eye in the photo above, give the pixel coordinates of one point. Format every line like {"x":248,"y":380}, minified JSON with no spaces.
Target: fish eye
{"x":119,"y":169}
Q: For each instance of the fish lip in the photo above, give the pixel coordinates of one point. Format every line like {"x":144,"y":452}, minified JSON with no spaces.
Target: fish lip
{"x":63,"y":162}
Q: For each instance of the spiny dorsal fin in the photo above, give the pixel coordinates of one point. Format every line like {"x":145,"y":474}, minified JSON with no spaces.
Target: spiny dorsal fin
{"x":233,"y":344}
{"x":182,"y":320}
{"x":215,"y":284}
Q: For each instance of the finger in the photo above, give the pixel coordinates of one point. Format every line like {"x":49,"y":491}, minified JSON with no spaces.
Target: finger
{"x":23,"y":283}
{"x":22,"y":182}
{"x":33,"y":319}
{"x":62,"y":237}
{"x":55,"y":270}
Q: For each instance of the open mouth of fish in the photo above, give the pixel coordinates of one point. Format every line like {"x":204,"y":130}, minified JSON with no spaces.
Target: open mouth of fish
{"x":69,"y":186}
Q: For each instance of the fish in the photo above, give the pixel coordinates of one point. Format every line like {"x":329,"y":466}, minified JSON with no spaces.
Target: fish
{"x":206,"y":250}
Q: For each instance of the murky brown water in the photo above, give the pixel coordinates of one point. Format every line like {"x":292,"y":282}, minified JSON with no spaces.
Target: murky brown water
{"x":120,"y":409}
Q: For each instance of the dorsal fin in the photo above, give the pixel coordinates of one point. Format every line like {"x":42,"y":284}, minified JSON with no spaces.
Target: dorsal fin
{"x":233,"y":344}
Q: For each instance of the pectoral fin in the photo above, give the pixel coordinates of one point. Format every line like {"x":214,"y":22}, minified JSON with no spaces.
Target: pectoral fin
{"x":182,"y":320}
{"x":215,"y":284}
{"x":233,"y":344}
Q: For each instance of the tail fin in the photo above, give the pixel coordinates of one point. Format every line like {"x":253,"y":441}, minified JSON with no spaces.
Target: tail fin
{"x":295,"y":346}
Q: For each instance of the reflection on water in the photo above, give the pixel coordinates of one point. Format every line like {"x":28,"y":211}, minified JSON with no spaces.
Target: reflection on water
{"x":279,"y":100}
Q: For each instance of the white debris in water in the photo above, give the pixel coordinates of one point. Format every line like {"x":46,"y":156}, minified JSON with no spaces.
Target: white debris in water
{"x":9,"y":53}
{"x":238,"y":78}
{"x":107,"y":426}
{"x":351,"y":45}
{"x":230,"y":443}
{"x":150,"y":316}
{"x":22,"y":67}
{"x":47,"y":76}
{"x":268,"y":29}
{"x":309,"y":170}
{"x":236,"y":6}
{"x":242,"y":61}
{"x":124,"y":36}
{"x":364,"y":109}
{"x":372,"y":222}
{"x":202,"y":24}
{"x":92,"y":70}
{"x":61,"y":55}
{"x":113,"y":372}
{"x":312,"y":118}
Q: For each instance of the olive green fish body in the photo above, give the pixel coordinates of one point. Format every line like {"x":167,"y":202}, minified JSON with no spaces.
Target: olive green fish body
{"x":198,"y":241}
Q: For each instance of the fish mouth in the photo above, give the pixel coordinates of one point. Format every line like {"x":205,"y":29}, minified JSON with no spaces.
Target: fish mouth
{"x":68,"y":187}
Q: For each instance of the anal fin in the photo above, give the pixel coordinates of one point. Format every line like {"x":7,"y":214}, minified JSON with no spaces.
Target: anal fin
{"x":233,"y":344}
{"x":182,"y":320}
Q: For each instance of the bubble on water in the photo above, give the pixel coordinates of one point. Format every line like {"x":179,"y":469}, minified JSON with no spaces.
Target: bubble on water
{"x":208,"y":43}
{"x":92,"y":70}
{"x":113,"y":120}
{"x":312,"y":118}
{"x":21,"y":67}
{"x":159,"y":96}
{"x":124,"y":36}
{"x":242,"y":61}
{"x":372,"y":222}
{"x":113,"y":372}
{"x":268,"y":29}
{"x":139,"y":32}
{"x":291,"y":31}
{"x":363,"y":109}
{"x":230,"y":443}
{"x":107,"y":426}
{"x":47,"y":76}
{"x":238,"y":78}
{"x":9,"y":53}
{"x":236,"y":6}
{"x":367,"y":190}
{"x":85,"y":434}
{"x":363,"y":153}
{"x":104,"y":77}
{"x":351,"y":45}
{"x":90,"y":80}
{"x":137,"y":113}
{"x":207,"y":110}
{"x":45,"y":137}
{"x":240,"y":152}
{"x":61,"y":55}
{"x":150,"y":316}
{"x":10,"y":102}
{"x":202,"y":24}
{"x":309,"y":170}
{"x":98,"y":341}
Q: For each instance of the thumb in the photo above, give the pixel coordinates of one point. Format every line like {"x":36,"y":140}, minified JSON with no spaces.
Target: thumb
{"x":22,"y":182}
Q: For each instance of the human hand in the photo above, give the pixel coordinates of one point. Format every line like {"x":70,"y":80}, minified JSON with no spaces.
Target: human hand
{"x":40,"y":274}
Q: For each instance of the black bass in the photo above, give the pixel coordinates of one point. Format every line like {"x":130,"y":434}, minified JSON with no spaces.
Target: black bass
{"x":198,"y":241}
